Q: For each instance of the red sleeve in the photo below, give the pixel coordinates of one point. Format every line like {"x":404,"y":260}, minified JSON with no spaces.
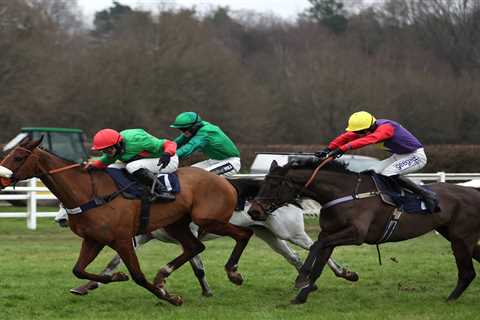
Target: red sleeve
{"x":98,"y":164}
{"x":170,"y":147}
{"x":342,"y":139}
{"x":382,"y":133}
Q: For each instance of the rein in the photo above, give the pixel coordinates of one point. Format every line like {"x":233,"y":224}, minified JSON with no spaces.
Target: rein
{"x":315,"y":172}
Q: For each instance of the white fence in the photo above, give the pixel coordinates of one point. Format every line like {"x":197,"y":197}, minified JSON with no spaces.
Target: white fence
{"x":31,"y":194}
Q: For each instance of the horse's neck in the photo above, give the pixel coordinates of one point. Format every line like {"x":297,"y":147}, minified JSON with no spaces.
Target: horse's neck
{"x":331,"y":185}
{"x":72,"y":186}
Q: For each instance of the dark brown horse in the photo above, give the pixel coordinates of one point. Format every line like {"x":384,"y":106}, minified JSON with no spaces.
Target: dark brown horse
{"x":364,"y":219}
{"x":205,"y":198}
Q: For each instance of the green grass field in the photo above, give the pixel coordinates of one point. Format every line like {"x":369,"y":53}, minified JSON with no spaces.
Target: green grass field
{"x":413,"y":282}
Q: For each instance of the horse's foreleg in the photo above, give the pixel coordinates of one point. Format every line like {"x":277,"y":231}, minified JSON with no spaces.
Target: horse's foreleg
{"x":127,"y":253}
{"x":476,"y":253}
{"x":466,"y":272}
{"x":89,"y":251}
{"x":348,"y":236}
{"x":181,"y":232}
{"x":110,"y":268}
{"x":241,"y":236}
{"x":318,"y":266}
{"x":199,"y":271}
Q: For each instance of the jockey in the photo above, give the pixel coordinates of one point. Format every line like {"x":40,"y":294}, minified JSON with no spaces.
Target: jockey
{"x":407,"y":153}
{"x":141,"y":154}
{"x":198,"y":135}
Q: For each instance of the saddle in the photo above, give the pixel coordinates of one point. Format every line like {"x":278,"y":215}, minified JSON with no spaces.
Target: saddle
{"x":393,"y":194}
{"x":132,"y":189}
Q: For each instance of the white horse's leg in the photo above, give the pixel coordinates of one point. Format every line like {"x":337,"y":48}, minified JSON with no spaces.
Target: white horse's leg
{"x":111,"y":266}
{"x":279,"y":246}
{"x":199,"y":271}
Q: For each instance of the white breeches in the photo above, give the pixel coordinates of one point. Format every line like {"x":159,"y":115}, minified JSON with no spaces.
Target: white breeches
{"x":402,"y":163}
{"x":149,"y":164}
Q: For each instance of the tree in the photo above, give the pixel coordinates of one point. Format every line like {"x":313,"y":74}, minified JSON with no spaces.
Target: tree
{"x":331,"y":13}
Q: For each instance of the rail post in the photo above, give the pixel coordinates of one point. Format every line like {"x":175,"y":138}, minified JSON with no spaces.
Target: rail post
{"x":32,"y":205}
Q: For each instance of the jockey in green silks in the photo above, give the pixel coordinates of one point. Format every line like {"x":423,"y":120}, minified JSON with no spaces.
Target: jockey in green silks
{"x":140,"y":153}
{"x":198,"y":135}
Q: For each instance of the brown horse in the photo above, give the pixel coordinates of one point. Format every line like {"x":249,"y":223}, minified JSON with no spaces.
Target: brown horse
{"x":205,"y":198}
{"x":363,"y":217}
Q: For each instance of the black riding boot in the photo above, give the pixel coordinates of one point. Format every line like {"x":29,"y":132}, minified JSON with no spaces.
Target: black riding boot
{"x":429,"y":197}
{"x":148,"y":178}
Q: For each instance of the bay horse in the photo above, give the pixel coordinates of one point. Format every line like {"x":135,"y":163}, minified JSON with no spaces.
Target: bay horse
{"x":205,"y":198}
{"x":363,"y":219}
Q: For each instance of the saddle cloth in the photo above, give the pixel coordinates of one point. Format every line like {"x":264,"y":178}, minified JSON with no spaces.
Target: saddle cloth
{"x":133,"y":189}
{"x":393,"y":194}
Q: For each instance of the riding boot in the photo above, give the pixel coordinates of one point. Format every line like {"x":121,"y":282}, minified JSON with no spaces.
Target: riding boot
{"x":148,"y":178}
{"x":429,"y":197}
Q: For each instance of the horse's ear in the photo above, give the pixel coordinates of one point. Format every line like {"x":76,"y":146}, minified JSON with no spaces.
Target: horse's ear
{"x":25,"y":141}
{"x":273,"y":165}
{"x":35,"y":143}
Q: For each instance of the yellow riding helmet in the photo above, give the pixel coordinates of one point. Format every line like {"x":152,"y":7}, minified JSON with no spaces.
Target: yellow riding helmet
{"x":360,"y":121}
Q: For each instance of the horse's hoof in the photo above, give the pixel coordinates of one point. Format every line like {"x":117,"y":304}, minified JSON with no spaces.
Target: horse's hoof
{"x":80,"y":291}
{"x":83,"y":290}
{"x":235,"y":277}
{"x":207,"y":294}
{"x":119,"y":276}
{"x":175,"y":300}
{"x":298,"y":301}
{"x":302,"y":281}
{"x":350,"y":276}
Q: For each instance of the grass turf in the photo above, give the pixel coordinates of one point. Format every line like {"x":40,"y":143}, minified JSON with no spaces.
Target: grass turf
{"x":413,"y":282}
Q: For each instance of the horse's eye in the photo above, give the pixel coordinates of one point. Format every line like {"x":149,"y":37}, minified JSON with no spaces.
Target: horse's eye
{"x":18,"y":158}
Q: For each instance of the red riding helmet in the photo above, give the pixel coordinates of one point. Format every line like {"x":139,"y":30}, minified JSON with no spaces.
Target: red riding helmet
{"x":106,"y":138}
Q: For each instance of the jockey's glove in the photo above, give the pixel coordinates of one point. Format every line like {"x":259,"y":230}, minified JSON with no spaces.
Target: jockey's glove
{"x":335,"y":153}
{"x":164,"y":160}
{"x":323,"y":153}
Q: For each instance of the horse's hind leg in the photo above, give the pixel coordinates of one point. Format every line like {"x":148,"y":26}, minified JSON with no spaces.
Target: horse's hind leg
{"x":127,"y":253}
{"x":241,"y":236}
{"x":466,"y":272}
{"x":89,"y":251}
{"x":181,"y":232}
{"x":110,"y":268}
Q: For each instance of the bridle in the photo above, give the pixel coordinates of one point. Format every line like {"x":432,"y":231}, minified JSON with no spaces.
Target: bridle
{"x":43,"y":171}
{"x":273,"y":203}
{"x":47,"y":173}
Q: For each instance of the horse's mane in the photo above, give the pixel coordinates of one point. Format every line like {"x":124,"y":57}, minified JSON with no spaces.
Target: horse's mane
{"x":56,"y":155}
{"x":312,"y":164}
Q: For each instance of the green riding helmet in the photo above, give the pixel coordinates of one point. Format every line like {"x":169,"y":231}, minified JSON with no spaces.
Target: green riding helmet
{"x":186,"y":120}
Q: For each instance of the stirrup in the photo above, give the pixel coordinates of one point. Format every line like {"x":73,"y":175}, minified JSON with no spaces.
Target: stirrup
{"x":162,"y":196}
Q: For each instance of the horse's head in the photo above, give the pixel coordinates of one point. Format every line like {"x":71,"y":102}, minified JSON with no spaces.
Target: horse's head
{"x":276,"y":191}
{"x":20,"y":163}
